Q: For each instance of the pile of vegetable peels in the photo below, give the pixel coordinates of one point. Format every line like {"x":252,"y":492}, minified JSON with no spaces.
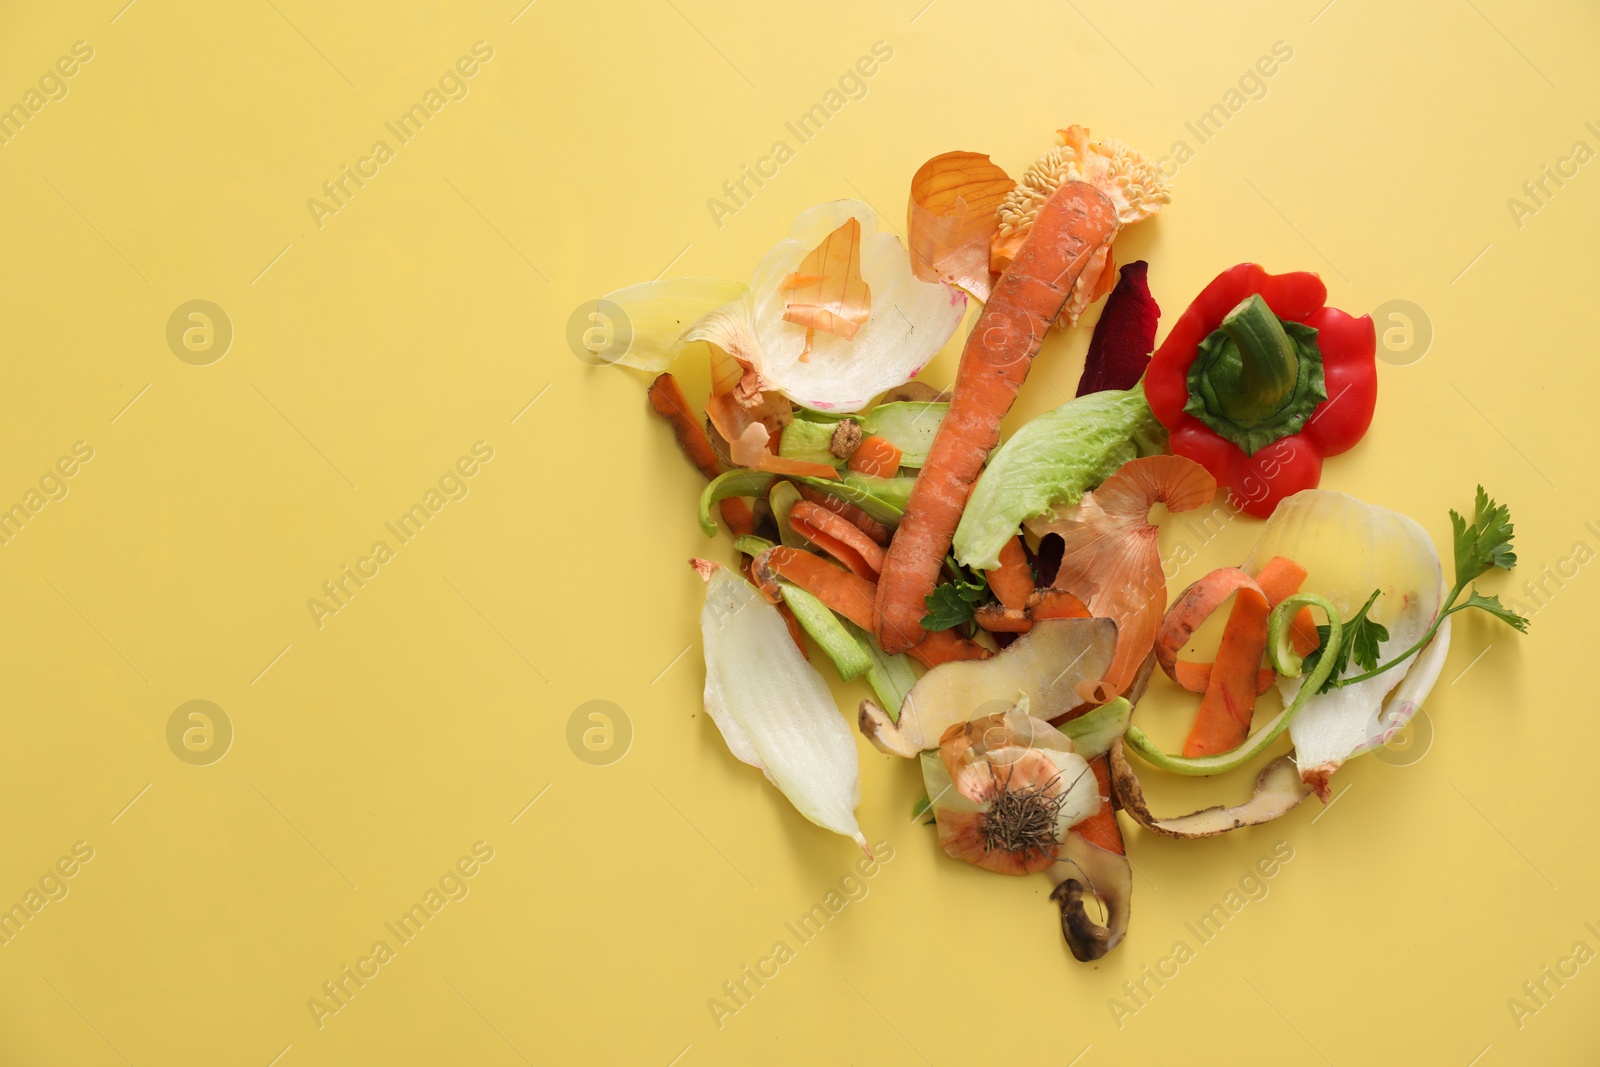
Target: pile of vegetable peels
{"x":1005,"y":602}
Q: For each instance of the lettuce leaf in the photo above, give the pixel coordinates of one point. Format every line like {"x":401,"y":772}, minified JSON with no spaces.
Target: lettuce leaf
{"x":1051,"y":462}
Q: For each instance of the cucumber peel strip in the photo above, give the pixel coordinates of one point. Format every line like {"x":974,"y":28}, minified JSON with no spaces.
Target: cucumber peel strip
{"x":882,"y":498}
{"x":782,"y":498}
{"x":891,"y":677}
{"x":1094,"y":733}
{"x":809,"y":440}
{"x":751,"y":545}
{"x":849,"y":658}
{"x":1281,"y":654}
{"x":909,"y":425}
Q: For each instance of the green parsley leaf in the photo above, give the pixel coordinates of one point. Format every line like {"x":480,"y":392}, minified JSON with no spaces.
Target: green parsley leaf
{"x":1365,"y":636}
{"x":1485,"y":543}
{"x":954,"y":603}
{"x":1361,"y":641}
{"x":1492,"y":605}
{"x":1481,"y":545}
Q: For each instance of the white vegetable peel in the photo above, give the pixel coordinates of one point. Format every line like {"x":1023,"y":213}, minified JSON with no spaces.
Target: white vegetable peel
{"x":774,"y":709}
{"x":1349,"y":548}
{"x":654,"y":317}
{"x":909,"y":322}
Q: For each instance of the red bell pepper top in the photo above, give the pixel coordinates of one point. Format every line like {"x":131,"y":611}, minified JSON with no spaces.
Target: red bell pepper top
{"x":1348,"y":346}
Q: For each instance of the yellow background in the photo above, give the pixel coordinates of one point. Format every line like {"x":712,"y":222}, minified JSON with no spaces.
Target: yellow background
{"x":369,"y":754}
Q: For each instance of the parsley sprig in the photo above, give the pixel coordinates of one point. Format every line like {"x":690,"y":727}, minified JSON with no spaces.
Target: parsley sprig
{"x":1361,"y":640}
{"x":1482,"y":545}
{"x":954,"y":603}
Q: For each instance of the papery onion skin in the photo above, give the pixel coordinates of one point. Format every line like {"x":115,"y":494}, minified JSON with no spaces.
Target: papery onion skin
{"x":951,"y":219}
{"x":826,"y":292}
{"x":1112,"y":560}
{"x":911,"y":319}
{"x":654,"y":318}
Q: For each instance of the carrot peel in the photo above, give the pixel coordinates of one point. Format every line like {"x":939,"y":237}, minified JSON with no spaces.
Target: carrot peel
{"x":1278,"y":578}
{"x":667,"y":398}
{"x":838,"y":537}
{"x":1101,"y":828}
{"x":874,"y":529}
{"x":999,"y":619}
{"x":1055,"y":603}
{"x":1075,"y":222}
{"x":1040,"y":604}
{"x":1223,"y":721}
{"x":852,"y":596}
{"x":1012,"y":581}
{"x":1194,"y":606}
{"x":876,"y":456}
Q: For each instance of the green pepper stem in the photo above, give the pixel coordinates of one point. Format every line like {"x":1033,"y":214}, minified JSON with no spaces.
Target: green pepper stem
{"x":1269,"y":361}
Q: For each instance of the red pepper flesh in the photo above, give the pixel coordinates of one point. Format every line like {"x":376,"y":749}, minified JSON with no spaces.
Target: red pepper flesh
{"x":1292,"y":463}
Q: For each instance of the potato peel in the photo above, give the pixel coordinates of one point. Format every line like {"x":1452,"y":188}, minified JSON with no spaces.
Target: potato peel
{"x":1046,"y":665}
{"x":1278,"y":791}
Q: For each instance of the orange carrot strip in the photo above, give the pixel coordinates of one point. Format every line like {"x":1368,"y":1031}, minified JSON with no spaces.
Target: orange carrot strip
{"x":1196,"y":676}
{"x":942,"y":646}
{"x":1055,"y":604}
{"x":739,"y":517}
{"x":1193,"y":607}
{"x":1072,"y":225}
{"x":1012,"y":581}
{"x":669,"y":402}
{"x":851,"y":596}
{"x":1101,"y":828}
{"x":837,"y":537}
{"x":852,"y":514}
{"x":999,"y":619}
{"x":848,"y":594}
{"x":876,"y":456}
{"x":1223,"y":721}
{"x":1279,"y":579}
{"x":1038,"y":605}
